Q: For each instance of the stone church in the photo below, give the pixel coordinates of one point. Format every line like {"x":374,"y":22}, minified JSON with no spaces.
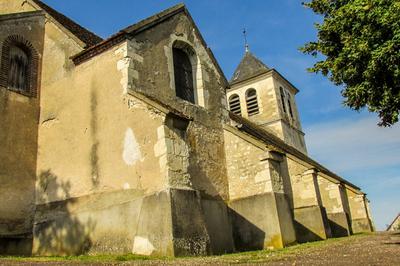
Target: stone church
{"x":139,"y":144}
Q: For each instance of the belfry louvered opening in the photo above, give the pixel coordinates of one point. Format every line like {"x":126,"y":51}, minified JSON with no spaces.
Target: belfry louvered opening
{"x":252,"y":102}
{"x":234,"y":104}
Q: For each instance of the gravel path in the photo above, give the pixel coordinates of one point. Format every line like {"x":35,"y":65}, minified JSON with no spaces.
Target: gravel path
{"x":375,"y":249}
{"x":378,"y":249}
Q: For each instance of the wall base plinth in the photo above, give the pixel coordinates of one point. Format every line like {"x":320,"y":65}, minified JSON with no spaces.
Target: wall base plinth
{"x":262,"y":222}
{"x":311,"y":224}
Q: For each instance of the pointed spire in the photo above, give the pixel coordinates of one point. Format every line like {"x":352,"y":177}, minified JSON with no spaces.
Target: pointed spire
{"x":246,"y":45}
{"x":249,"y":67}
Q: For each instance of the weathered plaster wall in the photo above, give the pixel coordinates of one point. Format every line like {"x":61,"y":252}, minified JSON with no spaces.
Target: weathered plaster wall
{"x":14,"y":6}
{"x":92,"y":136}
{"x":192,"y":167}
{"x":155,"y":78}
{"x":94,"y":139}
{"x":18,"y":133}
{"x":97,"y":138}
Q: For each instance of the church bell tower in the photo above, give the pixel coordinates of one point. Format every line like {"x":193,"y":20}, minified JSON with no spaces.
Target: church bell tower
{"x":265,"y":97}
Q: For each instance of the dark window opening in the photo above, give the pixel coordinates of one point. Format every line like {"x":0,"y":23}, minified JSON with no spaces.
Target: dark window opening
{"x":234,"y":104}
{"x":252,"y":102}
{"x":283,"y":99}
{"x":18,"y":72}
{"x":290,"y":106}
{"x":19,"y":66}
{"x":183,"y":75}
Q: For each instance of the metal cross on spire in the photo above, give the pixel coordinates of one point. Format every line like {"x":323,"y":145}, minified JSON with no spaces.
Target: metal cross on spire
{"x":246,"y":45}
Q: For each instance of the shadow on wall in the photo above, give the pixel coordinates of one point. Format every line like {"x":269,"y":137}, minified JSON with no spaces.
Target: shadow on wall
{"x":228,"y":231}
{"x":57,"y":230}
{"x":303,"y":233}
{"x":337,"y":229}
{"x":246,"y":235}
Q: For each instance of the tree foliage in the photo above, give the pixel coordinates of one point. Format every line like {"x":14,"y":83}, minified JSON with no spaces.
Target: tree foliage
{"x":360,"y":44}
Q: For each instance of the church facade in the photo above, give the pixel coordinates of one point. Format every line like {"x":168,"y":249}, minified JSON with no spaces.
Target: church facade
{"x":139,"y":144}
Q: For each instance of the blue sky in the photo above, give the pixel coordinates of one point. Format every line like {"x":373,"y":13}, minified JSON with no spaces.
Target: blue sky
{"x":347,"y":142}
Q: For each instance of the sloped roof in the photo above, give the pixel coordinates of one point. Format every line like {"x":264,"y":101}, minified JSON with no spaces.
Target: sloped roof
{"x":142,"y":26}
{"x":267,"y":137}
{"x":249,"y":67}
{"x":128,"y":31}
{"x":86,"y":36}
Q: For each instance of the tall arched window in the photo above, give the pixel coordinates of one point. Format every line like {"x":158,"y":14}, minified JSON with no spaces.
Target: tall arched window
{"x":252,"y":102}
{"x":183,"y":70}
{"x":234,"y":104}
{"x":18,"y":70}
{"x":290,"y":105}
{"x":19,"y":66}
{"x":283,"y":99}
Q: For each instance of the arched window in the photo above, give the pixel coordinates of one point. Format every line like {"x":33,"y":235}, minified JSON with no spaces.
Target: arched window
{"x":252,"y":102}
{"x":18,"y":70}
{"x":234,"y":104}
{"x":289,"y":105}
{"x":183,"y":70}
{"x":283,"y":99}
{"x":19,"y":66}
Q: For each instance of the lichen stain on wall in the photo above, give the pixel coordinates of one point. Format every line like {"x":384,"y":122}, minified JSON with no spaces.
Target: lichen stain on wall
{"x":131,"y":153}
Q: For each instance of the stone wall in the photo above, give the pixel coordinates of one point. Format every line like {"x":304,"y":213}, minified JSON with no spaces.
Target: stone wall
{"x":310,"y":216}
{"x":360,"y":219}
{"x":248,"y":173}
{"x":18,"y":135}
{"x":260,"y":212}
{"x":335,"y":204}
{"x":156,"y":79}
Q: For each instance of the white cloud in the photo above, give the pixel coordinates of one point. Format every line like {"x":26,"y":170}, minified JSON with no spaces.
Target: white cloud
{"x":349,"y":145}
{"x":366,"y":155}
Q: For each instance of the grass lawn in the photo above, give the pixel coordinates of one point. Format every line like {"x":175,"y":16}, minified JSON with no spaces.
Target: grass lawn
{"x":243,"y":257}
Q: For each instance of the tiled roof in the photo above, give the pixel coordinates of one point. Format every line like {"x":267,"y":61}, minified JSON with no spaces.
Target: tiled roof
{"x":249,"y":67}
{"x":269,"y":138}
{"x":86,"y":36}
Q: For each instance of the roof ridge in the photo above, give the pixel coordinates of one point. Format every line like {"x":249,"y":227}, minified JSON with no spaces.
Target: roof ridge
{"x":83,"y":34}
{"x":164,"y":14}
{"x":123,"y":33}
{"x":141,"y":26}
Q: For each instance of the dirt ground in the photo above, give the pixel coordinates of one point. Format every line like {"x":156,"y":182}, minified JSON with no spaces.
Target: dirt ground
{"x":378,"y":249}
{"x":374,"y":249}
